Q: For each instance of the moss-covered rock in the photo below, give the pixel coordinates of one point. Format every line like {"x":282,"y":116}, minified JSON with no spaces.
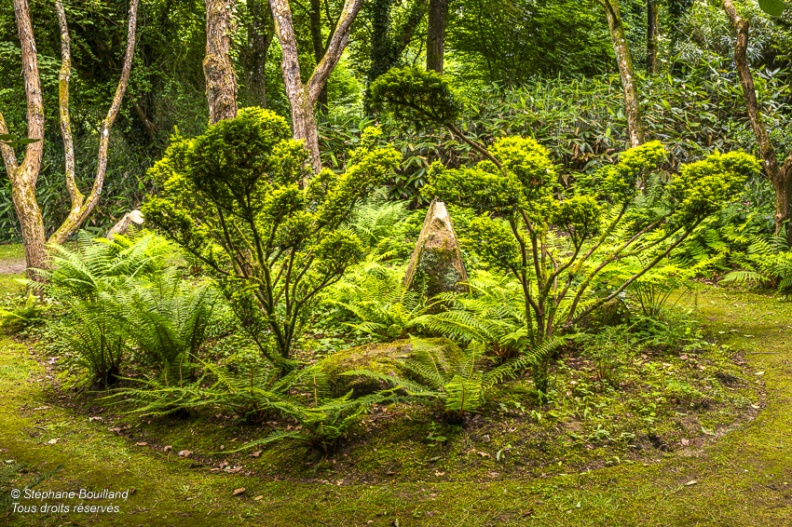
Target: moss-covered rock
{"x":379,"y":357}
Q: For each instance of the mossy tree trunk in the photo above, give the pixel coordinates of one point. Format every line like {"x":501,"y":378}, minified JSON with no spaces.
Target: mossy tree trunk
{"x":221,"y":84}
{"x":24,"y":175}
{"x":303,"y":96}
{"x":780,"y":175}
{"x":652,"y":29}
{"x":626,"y":70}
{"x":260,"y":34}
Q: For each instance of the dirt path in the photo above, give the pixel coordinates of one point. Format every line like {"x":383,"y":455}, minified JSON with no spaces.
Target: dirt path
{"x":12,"y":267}
{"x":745,"y":478}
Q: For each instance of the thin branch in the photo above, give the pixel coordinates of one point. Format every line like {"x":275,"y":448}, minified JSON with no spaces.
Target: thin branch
{"x":334,"y":50}
{"x":77,"y":216}
{"x":64,"y":77}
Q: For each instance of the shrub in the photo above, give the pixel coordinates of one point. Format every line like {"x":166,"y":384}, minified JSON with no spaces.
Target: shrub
{"x":238,"y":200}
{"x":459,"y":380}
{"x":128,"y":296}
{"x":563,"y":245}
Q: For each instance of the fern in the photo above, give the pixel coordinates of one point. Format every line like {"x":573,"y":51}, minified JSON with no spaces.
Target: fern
{"x":459,"y":380}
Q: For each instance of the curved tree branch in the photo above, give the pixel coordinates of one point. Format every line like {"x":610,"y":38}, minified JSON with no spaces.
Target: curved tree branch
{"x":78,"y":214}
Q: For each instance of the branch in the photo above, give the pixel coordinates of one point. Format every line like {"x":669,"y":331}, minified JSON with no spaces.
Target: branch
{"x":333,"y":53}
{"x":78,"y":215}
{"x":64,"y":76}
{"x":9,"y":156}
{"x":477,"y":146}
{"x":632,"y":279}
{"x":35,"y":105}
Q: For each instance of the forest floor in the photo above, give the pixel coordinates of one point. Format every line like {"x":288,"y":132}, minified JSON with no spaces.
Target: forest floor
{"x":742,"y":478}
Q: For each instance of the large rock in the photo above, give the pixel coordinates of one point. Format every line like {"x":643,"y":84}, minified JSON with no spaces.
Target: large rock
{"x":378,"y":357}
{"x":134,"y":217}
{"x":436,"y":265}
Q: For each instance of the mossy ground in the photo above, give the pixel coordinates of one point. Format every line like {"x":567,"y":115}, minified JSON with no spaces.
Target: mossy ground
{"x":743,"y":477}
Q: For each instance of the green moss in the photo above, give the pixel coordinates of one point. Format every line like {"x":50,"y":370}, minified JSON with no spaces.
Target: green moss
{"x":742,"y":477}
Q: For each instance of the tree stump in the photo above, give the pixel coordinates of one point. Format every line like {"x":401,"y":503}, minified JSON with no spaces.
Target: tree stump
{"x":436,"y":265}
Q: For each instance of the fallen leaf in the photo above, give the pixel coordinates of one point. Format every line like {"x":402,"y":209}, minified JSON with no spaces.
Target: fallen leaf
{"x":691,"y":483}
{"x":141,"y":443}
{"x":53,"y":441}
{"x":257,"y":453}
{"x":167,"y":448}
{"x":483,"y":454}
{"x":258,"y":498}
{"x":239,"y":491}
{"x":759,"y":373}
{"x":185,"y":453}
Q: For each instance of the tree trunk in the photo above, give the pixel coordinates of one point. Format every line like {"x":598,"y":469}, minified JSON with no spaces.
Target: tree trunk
{"x":317,"y":41}
{"x":24,"y":176}
{"x":81,"y":207}
{"x":221,"y":85}
{"x":624,"y":58}
{"x":435,"y":37}
{"x":260,"y":35}
{"x":387,"y":42}
{"x":652,"y":28}
{"x":303,"y":96}
{"x":780,"y":176}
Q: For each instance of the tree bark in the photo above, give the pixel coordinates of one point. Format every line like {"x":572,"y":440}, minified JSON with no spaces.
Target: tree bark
{"x":260,"y":35}
{"x":435,"y":37}
{"x":81,"y":207}
{"x":652,"y":28}
{"x":221,"y":84}
{"x":317,"y":41}
{"x":627,"y":72}
{"x":24,"y":176}
{"x":780,"y":175}
{"x":303,"y":96}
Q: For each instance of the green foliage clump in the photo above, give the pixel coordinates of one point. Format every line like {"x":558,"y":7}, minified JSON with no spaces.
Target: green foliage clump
{"x":458,"y":379}
{"x":238,"y":199}
{"x":557,"y":242}
{"x":420,"y":96}
{"x":126,"y":297}
{"x":374,"y":302}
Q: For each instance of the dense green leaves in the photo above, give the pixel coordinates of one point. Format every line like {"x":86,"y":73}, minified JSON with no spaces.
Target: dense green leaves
{"x":236,"y":198}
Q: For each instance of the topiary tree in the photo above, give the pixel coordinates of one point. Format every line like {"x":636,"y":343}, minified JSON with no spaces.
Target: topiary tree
{"x":422,"y":97}
{"x":235,"y":199}
{"x":573,"y":250}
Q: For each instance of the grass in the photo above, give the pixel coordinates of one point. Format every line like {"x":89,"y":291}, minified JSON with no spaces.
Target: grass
{"x":743,"y":478}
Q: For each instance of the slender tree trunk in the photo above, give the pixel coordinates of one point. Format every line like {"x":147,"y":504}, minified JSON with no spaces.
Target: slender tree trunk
{"x":24,"y":176}
{"x":388,"y":42}
{"x":303,"y":96}
{"x":81,"y":207}
{"x":260,"y":35}
{"x":652,"y":28}
{"x":318,"y":43}
{"x":626,"y":70}
{"x":780,"y":175}
{"x":435,"y":38}
{"x":221,"y":85}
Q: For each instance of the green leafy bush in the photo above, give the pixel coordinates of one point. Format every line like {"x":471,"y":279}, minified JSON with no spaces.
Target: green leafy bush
{"x":239,"y":201}
{"x":459,"y":380}
{"x":563,"y":245}
{"x":126,"y":297}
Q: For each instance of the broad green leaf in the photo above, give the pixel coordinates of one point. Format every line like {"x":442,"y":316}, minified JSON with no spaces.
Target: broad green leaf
{"x":773,"y":7}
